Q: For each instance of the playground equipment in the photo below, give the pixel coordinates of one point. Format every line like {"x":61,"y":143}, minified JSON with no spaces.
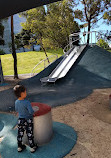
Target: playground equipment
{"x":69,"y":59}
{"x":43,"y":130}
{"x":43,"y":64}
{"x":80,"y":38}
{"x":64,"y":66}
{"x":77,"y":43}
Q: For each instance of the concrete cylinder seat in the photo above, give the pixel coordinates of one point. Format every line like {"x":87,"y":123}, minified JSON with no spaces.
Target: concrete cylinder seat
{"x":43,"y":130}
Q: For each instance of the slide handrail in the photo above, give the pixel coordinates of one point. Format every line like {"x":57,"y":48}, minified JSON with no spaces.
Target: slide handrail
{"x":44,"y":65}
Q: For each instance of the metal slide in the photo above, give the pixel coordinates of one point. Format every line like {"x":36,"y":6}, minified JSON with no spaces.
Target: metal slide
{"x":64,"y":66}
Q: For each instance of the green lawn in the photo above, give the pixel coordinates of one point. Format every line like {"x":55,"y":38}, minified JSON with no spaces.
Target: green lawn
{"x":26,"y":61}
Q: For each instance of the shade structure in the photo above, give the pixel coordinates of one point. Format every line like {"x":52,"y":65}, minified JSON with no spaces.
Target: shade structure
{"x":11,"y":7}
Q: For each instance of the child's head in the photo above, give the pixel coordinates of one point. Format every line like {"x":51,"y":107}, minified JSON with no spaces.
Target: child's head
{"x":20,"y":91}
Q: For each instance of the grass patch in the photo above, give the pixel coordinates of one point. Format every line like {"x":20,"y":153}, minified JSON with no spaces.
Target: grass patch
{"x":26,"y":61}
{"x":109,"y":50}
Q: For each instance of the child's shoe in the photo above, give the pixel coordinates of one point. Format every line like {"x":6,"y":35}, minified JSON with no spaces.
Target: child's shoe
{"x":32,"y":150}
{"x":21,"y":148}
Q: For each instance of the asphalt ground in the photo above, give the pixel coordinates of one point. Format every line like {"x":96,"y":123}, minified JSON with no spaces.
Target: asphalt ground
{"x":91,"y":71}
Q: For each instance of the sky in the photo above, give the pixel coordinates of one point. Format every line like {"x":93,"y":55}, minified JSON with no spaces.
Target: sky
{"x":100,"y":26}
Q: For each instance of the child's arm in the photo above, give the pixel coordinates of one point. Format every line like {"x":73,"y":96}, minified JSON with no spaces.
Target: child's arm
{"x":16,"y":114}
{"x":16,"y":110}
{"x":29,"y":107}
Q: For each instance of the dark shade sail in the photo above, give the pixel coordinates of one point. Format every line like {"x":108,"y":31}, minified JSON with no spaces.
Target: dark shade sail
{"x":11,"y":7}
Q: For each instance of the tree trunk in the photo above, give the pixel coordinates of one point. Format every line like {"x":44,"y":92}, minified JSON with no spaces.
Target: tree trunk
{"x":89,"y":26}
{"x":33,"y":47}
{"x":45,"y":54}
{"x":1,"y":73}
{"x":44,"y":50}
{"x":13,"y":50}
{"x":23,"y":49}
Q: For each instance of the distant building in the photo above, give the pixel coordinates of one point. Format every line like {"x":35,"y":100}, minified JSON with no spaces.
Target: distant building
{"x":6,"y":36}
{"x":7,"y":31}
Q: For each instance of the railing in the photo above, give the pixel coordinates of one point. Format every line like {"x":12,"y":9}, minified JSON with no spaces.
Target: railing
{"x":69,"y":46}
{"x":94,"y":37}
{"x":43,"y":64}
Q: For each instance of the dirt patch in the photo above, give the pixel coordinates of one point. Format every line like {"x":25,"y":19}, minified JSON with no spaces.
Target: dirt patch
{"x":101,"y":110}
{"x":91,"y":118}
{"x":11,"y":82}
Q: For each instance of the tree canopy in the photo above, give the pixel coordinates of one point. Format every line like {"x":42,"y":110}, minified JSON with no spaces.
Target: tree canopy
{"x":102,"y":43}
{"x":52,"y":24}
{"x":1,"y":43}
{"x":92,"y":11}
{"x":107,"y":13}
{"x":24,"y":39}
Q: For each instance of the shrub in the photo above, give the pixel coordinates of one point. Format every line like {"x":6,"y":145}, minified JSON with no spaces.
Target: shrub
{"x":2,"y":52}
{"x":103,"y":44}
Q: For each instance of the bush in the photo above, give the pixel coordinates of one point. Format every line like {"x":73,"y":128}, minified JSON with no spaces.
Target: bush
{"x":2,"y":52}
{"x":103,"y":44}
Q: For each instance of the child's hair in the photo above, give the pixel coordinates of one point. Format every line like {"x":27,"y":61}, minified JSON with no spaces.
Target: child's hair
{"x":18,"y":89}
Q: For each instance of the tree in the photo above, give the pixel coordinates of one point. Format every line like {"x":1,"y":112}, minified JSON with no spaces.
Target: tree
{"x":107,"y":36}
{"x":107,"y":14}
{"x":13,"y":50}
{"x":35,"y":21}
{"x":1,"y":43}
{"x":22,"y":39}
{"x":93,"y":10}
{"x":52,"y":26}
{"x":1,"y":73}
{"x":104,"y":39}
{"x":1,"y":34}
{"x":102,"y":44}
{"x":107,"y":17}
{"x":59,"y":24}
